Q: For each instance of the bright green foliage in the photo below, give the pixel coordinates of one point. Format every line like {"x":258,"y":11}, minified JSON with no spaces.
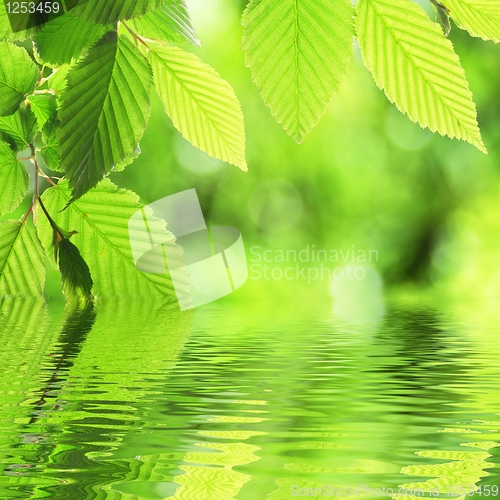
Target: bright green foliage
{"x":58,"y":80}
{"x":480,"y":18}
{"x":5,"y":28}
{"x":80,"y":100}
{"x":49,"y":151}
{"x":417,"y":68}
{"x":18,"y":77}
{"x":19,"y":129}
{"x":75,"y":272}
{"x":106,"y":12}
{"x":66,"y":37}
{"x":104,"y":111}
{"x":202,"y":106}
{"x":298,"y":53}
{"x":101,"y":220}
{"x":14,"y":180}
{"x":87,"y":118}
{"x":22,"y":268}
{"x":169,"y":23}
{"x":44,"y":107}
{"x":120,"y":167}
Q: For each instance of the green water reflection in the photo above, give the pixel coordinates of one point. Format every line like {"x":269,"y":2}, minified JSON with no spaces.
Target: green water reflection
{"x":247,"y":399}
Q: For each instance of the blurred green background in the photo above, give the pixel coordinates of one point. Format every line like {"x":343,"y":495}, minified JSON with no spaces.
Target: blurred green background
{"x":367,"y":176}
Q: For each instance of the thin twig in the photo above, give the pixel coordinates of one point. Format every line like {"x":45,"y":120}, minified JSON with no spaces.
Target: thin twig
{"x":51,"y":221}
{"x":48,"y":179}
{"x":36,"y":195}
{"x":27,"y":214}
{"x":37,"y":168}
{"x":136,"y":36}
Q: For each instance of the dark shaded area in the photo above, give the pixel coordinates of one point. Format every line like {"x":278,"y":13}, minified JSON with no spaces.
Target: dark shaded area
{"x":35,"y":13}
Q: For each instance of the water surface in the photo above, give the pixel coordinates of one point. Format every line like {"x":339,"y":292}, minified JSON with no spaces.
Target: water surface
{"x":260,"y":397}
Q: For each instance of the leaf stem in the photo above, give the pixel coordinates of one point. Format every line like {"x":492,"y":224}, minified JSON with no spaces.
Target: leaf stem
{"x":36,"y":195}
{"x":136,"y":36}
{"x":51,"y":222}
{"x":27,"y":214}
{"x":40,"y":79}
{"x":48,"y":179}
{"x":37,"y":170}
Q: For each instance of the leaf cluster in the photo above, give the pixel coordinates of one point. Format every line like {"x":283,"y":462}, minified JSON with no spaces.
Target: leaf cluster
{"x":76,"y":93}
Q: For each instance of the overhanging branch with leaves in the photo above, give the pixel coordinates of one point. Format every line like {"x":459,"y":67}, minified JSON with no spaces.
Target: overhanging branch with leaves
{"x":75,"y":93}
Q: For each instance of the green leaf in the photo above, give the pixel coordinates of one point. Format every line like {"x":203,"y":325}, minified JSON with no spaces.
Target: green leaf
{"x":298,"y":53}
{"x":6,"y":32}
{"x":202,"y":106}
{"x":104,"y":111}
{"x":107,"y":12}
{"x":75,"y":272}
{"x":18,"y":77}
{"x":49,"y":151}
{"x":5,"y":27}
{"x":169,"y":23}
{"x":101,"y":219}
{"x":22,"y":266}
{"x":58,"y":80}
{"x":14,"y":182}
{"x":480,"y":18}
{"x":120,"y":167}
{"x":20,"y":128}
{"x":416,"y":66}
{"x":44,"y":107}
{"x":66,"y":37}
